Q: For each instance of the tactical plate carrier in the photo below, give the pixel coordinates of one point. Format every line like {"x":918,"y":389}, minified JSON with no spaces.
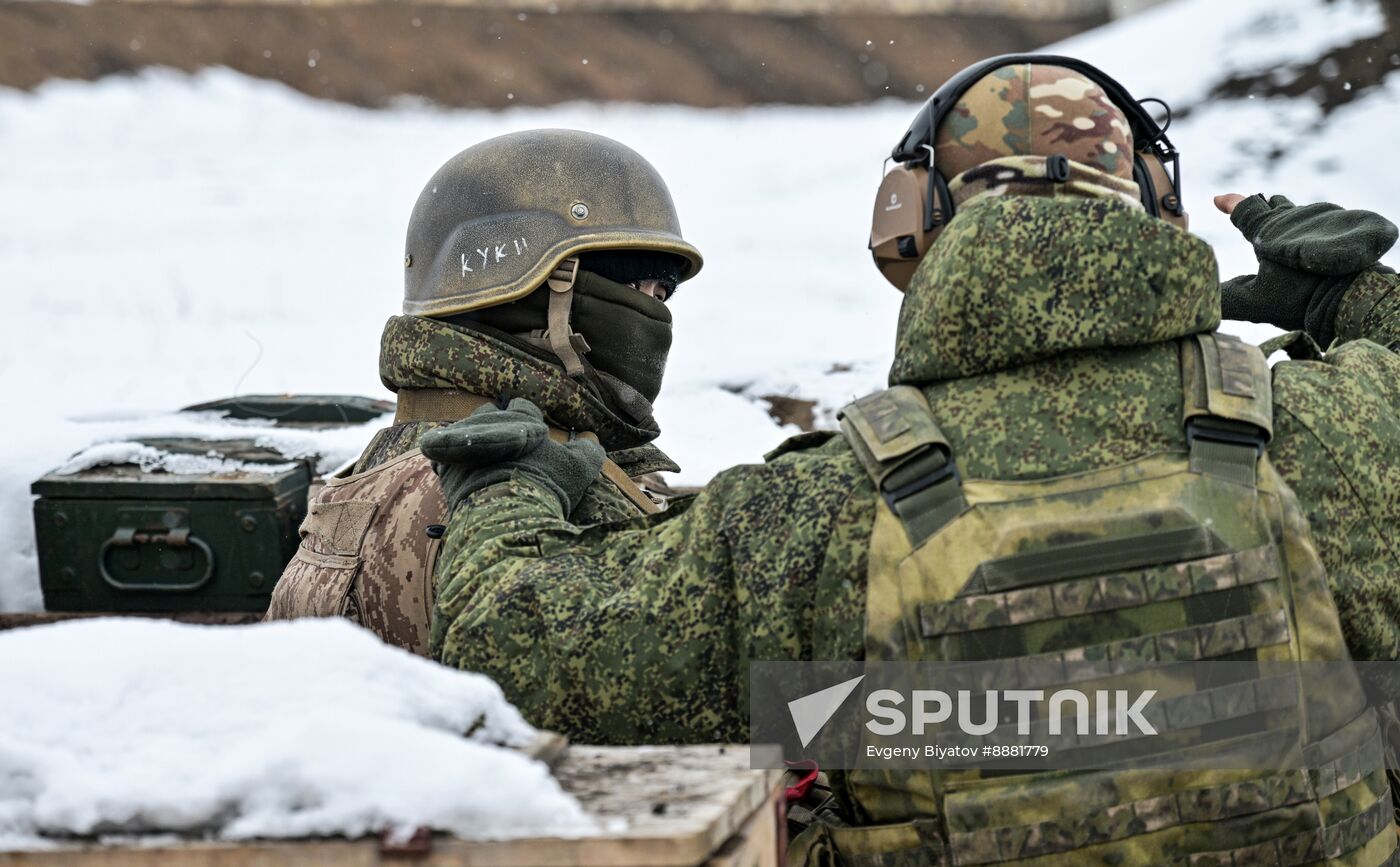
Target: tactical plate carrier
{"x":1175,"y":557}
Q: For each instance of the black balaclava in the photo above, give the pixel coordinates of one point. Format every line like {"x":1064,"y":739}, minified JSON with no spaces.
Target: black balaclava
{"x":628,"y":332}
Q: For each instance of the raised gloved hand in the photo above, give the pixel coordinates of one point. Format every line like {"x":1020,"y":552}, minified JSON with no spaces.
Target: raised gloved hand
{"x":1308,"y":258}
{"x":492,"y":444}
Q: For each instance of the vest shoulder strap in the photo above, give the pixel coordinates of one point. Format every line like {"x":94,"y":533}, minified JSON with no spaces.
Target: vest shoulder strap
{"x":897,"y":441}
{"x":630,"y":489}
{"x":1228,"y":405}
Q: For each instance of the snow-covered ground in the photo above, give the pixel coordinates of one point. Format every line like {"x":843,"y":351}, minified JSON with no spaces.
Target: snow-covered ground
{"x":301,"y":729}
{"x":171,"y":239}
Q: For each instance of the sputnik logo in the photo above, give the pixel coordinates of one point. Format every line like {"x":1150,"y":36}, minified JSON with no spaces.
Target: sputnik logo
{"x":811,"y":712}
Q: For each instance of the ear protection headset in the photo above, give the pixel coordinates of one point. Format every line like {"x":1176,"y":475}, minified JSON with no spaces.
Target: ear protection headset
{"x":914,"y":204}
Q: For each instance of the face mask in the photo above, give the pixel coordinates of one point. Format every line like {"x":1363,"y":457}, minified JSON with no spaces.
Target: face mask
{"x":628,"y":333}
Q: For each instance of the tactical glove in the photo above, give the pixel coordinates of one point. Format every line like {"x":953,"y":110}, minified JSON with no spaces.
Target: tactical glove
{"x":493,"y":444}
{"x":1308,"y":258}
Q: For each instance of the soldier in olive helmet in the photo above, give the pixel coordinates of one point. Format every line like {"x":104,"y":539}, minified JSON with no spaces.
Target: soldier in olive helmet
{"x":537,"y":266}
{"x":1071,"y":464}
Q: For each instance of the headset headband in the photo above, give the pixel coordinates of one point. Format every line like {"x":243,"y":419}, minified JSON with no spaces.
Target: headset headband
{"x":917,"y":142}
{"x":901,"y":235}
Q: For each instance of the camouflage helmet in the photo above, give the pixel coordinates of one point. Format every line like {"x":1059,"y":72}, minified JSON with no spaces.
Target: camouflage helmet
{"x":500,"y":217}
{"x":1020,"y":124}
{"x":1034,"y":109}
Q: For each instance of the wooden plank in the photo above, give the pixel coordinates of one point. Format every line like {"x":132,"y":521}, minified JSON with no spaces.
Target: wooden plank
{"x":678,"y":806}
{"x":756,"y":844}
{"x":658,"y":806}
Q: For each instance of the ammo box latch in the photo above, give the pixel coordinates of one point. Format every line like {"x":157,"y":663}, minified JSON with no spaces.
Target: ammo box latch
{"x":172,"y":545}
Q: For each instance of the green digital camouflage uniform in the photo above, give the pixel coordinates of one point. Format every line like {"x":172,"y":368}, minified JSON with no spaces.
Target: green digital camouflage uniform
{"x":418,"y":352}
{"x":643,"y":631}
{"x":1043,"y":330}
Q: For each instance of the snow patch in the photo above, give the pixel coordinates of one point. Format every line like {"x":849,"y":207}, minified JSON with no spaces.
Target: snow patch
{"x":152,"y":460}
{"x":304,"y":728}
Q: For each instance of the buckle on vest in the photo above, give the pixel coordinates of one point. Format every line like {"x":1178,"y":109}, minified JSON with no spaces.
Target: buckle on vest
{"x":947,"y":470}
{"x":1210,"y":433}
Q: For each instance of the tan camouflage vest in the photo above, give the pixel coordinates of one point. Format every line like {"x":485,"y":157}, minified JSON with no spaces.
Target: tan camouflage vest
{"x":365,"y":551}
{"x":1191,"y":555}
{"x":366,"y":555}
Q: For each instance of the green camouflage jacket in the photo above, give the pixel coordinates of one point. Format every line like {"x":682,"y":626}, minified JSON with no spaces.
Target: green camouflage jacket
{"x":416,"y":352}
{"x":1042,"y":333}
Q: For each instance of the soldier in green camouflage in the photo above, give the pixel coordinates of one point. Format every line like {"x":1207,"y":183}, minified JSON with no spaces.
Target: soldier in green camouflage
{"x":537,"y":265}
{"x":1056,"y":333}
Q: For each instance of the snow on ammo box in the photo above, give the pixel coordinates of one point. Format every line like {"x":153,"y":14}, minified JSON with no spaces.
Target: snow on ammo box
{"x":301,"y":729}
{"x":173,"y":239}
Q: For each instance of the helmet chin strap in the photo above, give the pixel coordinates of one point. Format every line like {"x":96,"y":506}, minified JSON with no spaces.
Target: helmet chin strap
{"x":563,"y":341}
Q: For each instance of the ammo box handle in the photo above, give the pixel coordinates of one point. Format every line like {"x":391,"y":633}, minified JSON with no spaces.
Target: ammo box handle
{"x":127,"y":537}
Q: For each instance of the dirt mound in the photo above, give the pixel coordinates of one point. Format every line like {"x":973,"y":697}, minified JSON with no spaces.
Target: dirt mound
{"x":370,"y":54}
{"x":1338,"y":77}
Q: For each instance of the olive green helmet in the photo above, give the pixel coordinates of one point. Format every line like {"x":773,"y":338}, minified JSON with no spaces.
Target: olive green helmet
{"x":500,"y":217}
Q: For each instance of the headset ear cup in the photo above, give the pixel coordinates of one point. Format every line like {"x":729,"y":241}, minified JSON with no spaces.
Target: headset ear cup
{"x":897,"y":237}
{"x":1159,"y":195}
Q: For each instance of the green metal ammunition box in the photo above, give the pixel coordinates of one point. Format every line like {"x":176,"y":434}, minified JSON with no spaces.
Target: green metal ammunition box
{"x":121,"y":539}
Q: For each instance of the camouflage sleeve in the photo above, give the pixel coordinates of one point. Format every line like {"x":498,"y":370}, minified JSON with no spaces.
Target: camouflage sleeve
{"x":642,"y":631}
{"x":1371,"y":310}
{"x":1337,"y":443}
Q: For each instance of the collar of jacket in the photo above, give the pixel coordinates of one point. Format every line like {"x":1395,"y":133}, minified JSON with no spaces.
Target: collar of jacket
{"x":416,"y":352}
{"x":1015,"y":279}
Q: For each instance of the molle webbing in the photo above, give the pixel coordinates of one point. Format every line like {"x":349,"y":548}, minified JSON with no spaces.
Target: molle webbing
{"x":1086,"y":820}
{"x":1194,"y":643}
{"x":1089,"y":558}
{"x":1228,"y":405}
{"x":1080,"y":596}
{"x":1207,"y":706}
{"x":898,"y":443}
{"x":450,"y":404}
{"x":1217,"y":803}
